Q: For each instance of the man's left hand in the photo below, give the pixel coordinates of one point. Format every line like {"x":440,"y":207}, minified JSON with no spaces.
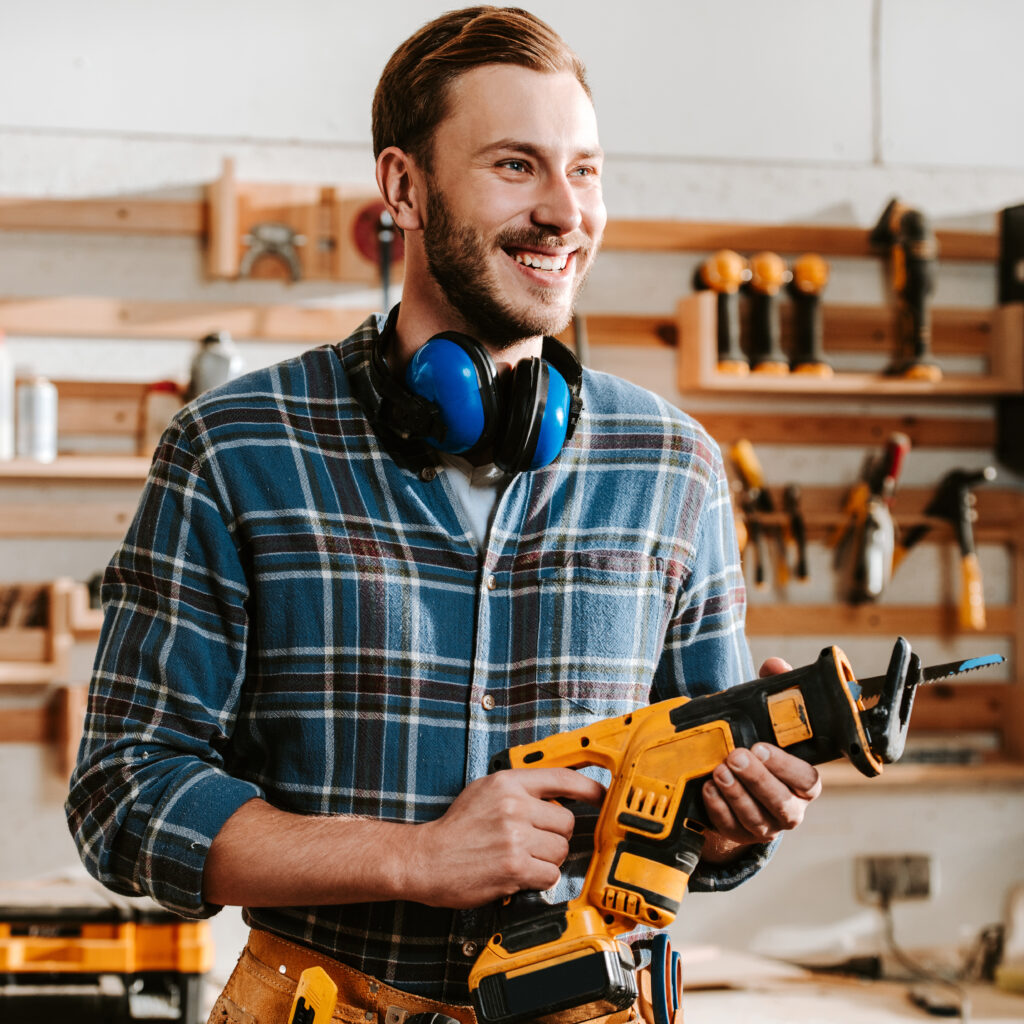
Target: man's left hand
{"x":755,"y":795}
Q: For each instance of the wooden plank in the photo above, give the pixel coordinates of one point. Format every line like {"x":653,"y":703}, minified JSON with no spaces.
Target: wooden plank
{"x":24,"y":644}
{"x":828,"y":240}
{"x":78,"y":468}
{"x":998,"y":509}
{"x":111,"y":408}
{"x":97,"y":417}
{"x":93,"y":519}
{"x":1000,"y":512}
{"x":852,"y":385}
{"x":24,"y":673}
{"x":114,"y":409}
{"x":101,"y":390}
{"x":865,"y":620}
{"x":847,"y":328}
{"x":626,"y":329}
{"x":787,"y":428}
{"x":67,"y":721}
{"x":968,"y":707}
{"x":25,"y":725}
{"x":196,"y":217}
{"x":222,"y":256}
{"x":85,"y":621}
{"x":841,"y":775}
{"x":1008,"y":342}
{"x":859,"y":328}
{"x":92,"y":317}
{"x":120,"y":216}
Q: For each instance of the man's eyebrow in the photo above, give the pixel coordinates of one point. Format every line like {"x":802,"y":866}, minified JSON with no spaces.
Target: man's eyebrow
{"x":532,"y":149}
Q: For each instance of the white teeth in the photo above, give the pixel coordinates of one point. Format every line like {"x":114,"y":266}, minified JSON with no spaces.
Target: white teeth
{"x":529,"y":259}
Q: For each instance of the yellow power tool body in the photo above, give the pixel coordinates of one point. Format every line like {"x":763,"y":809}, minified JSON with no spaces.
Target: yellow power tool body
{"x":549,"y":958}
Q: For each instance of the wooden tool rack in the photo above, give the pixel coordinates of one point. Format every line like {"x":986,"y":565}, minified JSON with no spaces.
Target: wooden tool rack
{"x":109,"y":483}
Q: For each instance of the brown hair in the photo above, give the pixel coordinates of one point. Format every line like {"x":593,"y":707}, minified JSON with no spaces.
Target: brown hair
{"x":412,"y":95}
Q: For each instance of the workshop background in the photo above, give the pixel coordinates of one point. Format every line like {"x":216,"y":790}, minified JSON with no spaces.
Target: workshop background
{"x":793,"y":113}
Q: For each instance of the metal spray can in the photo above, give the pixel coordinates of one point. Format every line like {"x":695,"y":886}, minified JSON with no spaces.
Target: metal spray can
{"x":36,"y":431}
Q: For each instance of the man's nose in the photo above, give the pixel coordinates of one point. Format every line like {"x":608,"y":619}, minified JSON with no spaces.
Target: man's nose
{"x":557,"y":207}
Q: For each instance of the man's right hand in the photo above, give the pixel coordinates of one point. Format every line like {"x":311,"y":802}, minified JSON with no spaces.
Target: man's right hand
{"x":502,"y":834}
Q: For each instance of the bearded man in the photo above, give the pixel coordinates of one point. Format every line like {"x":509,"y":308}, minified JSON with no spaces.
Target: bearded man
{"x":357,"y":575}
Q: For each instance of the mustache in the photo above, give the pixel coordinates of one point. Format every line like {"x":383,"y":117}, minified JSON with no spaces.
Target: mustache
{"x":525,"y":238}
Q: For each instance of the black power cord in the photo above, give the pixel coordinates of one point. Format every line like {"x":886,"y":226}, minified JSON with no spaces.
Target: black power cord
{"x":923,"y":993}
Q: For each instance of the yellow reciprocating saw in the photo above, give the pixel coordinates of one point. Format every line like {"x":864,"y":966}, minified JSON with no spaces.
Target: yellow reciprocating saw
{"x":567,"y":958}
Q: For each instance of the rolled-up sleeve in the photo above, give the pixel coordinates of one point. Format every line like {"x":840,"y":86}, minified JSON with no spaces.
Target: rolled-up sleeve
{"x":151,"y":788}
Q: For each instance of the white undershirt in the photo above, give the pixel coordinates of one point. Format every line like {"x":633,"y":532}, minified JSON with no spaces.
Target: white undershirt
{"x":478,"y":488}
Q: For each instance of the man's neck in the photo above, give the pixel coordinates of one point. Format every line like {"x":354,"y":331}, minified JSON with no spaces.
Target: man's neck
{"x":419,"y":321}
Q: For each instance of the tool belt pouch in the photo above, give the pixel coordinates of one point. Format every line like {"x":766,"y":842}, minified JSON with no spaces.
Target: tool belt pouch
{"x":262,"y":987}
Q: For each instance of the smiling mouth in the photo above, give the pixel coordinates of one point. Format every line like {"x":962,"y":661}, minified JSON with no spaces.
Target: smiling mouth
{"x":539,"y":261}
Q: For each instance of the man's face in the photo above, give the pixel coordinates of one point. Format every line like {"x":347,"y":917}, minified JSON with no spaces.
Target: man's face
{"x":514,"y":211}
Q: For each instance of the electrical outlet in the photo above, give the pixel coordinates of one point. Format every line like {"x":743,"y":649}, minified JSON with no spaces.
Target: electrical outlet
{"x":902,"y":876}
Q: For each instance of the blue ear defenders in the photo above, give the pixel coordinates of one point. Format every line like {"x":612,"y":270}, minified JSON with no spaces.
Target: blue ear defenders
{"x":455,"y":400}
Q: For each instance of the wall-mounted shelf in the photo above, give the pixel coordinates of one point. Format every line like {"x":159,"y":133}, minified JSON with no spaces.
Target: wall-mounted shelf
{"x":790,"y":239}
{"x":38,"y":654}
{"x":698,"y":364}
{"x":219,"y":220}
{"x":192,"y":218}
{"x":35,"y":656}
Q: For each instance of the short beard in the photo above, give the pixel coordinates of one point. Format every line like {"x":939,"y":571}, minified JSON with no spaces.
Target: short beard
{"x":456,"y":258}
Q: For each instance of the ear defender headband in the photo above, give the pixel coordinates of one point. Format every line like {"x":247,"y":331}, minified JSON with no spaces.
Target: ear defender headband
{"x":455,"y":400}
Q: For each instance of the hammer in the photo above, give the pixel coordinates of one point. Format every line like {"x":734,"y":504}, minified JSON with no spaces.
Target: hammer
{"x":954,"y":501}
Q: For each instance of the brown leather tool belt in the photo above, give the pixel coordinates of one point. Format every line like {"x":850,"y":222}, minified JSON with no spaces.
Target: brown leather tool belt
{"x":262,"y":987}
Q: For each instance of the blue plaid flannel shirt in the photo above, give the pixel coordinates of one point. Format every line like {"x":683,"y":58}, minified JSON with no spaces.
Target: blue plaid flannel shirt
{"x":299,"y":614}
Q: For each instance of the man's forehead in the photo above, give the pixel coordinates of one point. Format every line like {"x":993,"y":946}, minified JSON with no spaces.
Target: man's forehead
{"x":499,"y":103}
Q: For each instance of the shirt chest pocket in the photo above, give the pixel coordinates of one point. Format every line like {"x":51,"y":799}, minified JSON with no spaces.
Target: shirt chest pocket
{"x":592,"y":623}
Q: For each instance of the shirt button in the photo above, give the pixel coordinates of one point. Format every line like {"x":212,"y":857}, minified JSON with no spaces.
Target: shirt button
{"x":492,"y":582}
{"x":469,"y":949}
{"x":427,"y":473}
{"x":488,"y":702}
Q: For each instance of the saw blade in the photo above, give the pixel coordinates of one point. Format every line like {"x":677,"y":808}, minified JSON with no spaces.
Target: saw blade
{"x":933,"y":673}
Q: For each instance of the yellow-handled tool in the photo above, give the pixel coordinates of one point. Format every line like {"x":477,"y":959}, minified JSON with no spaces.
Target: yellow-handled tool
{"x":724,"y":273}
{"x":809,"y":276}
{"x":953,"y":501}
{"x":768,"y":274}
{"x":315,"y":998}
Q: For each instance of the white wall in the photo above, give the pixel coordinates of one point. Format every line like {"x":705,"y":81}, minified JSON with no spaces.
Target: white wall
{"x":793,"y":111}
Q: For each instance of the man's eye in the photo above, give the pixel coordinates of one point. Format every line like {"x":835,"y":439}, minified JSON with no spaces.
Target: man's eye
{"x":514,"y":165}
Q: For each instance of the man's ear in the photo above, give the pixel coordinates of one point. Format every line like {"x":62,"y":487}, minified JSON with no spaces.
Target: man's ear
{"x":401,"y":184}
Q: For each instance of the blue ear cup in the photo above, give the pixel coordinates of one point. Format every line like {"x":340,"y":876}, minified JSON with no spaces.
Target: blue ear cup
{"x":460,"y":381}
{"x":538,"y":417}
{"x":555,"y":421}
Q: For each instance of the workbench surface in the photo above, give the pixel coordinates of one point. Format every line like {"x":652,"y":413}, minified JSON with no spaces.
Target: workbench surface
{"x":721,"y":987}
